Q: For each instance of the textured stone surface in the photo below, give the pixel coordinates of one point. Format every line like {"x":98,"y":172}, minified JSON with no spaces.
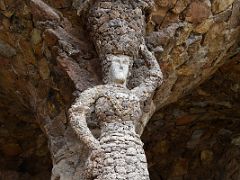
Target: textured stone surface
{"x":187,"y":57}
{"x":23,"y":148}
{"x":207,"y":147}
{"x":118,"y":111}
{"x":187,"y":54}
{"x":219,"y":6}
{"x":197,"y":12}
{"x":7,"y":50}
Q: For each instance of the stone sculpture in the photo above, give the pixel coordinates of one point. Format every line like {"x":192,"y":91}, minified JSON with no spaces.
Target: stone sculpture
{"x":117,"y":29}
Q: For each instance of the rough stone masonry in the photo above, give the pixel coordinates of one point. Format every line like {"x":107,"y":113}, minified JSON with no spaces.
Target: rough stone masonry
{"x":117,"y":30}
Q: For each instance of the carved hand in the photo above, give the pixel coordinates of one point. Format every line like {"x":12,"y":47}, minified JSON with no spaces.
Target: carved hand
{"x":155,"y":71}
{"x":154,"y":79}
{"x":78,"y":112}
{"x":79,"y":125}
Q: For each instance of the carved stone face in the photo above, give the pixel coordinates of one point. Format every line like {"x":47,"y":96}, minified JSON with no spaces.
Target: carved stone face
{"x":119,"y":68}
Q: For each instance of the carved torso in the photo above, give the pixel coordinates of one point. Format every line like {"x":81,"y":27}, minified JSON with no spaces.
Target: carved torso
{"x":123,"y":154}
{"x":118,"y":104}
{"x":117,"y":28}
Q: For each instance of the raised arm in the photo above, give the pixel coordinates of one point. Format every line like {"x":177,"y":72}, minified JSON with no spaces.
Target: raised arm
{"x":78,"y":112}
{"x":154,"y":78}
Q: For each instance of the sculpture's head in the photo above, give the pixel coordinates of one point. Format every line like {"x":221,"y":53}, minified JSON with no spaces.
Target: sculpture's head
{"x":117,"y":68}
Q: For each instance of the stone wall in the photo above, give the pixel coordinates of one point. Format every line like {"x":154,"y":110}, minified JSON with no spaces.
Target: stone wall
{"x":198,"y":137}
{"x":40,"y":69}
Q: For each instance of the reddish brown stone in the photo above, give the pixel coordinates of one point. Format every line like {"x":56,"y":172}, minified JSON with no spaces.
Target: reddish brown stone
{"x":60,"y":3}
{"x":11,"y":149}
{"x":27,"y":50}
{"x":44,"y":69}
{"x":159,"y":15}
{"x":16,"y":88}
{"x":198,"y":12}
{"x":186,"y":119}
{"x":162,"y":147}
{"x":204,"y":26}
{"x":180,"y":6}
{"x":2,"y":5}
{"x":50,"y":38}
{"x":43,"y":12}
{"x":221,"y":5}
{"x":180,"y":168}
{"x":206,"y":156}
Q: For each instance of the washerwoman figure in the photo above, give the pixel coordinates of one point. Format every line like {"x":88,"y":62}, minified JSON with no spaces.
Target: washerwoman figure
{"x":117,"y":30}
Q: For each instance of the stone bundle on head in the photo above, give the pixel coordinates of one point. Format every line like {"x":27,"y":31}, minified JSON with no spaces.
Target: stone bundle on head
{"x":117,"y":30}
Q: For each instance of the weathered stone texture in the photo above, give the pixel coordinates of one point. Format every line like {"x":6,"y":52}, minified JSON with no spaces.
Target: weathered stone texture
{"x":192,"y":46}
{"x":41,"y":68}
{"x":198,"y":137}
{"x":118,"y":111}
